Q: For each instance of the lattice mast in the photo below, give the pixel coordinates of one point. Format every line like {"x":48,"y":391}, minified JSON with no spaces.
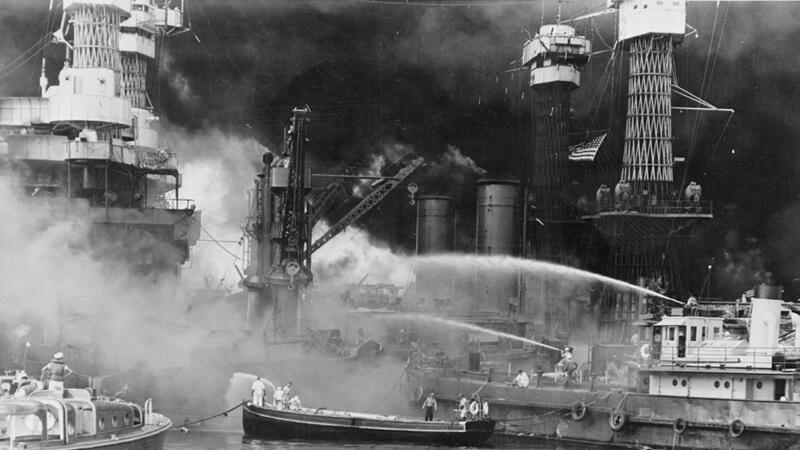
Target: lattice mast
{"x":649,"y":29}
{"x":554,"y":56}
{"x":96,"y":35}
{"x":645,"y":218}
{"x":137,"y":41}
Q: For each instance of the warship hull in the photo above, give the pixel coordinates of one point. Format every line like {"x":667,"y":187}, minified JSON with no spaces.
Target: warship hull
{"x":620,"y":418}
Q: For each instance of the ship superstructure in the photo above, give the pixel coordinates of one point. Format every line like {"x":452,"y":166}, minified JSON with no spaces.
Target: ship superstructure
{"x":647,"y":216}
{"x":89,"y":145}
{"x":555,"y":56}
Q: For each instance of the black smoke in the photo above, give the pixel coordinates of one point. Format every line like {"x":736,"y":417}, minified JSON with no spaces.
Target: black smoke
{"x":431,"y":77}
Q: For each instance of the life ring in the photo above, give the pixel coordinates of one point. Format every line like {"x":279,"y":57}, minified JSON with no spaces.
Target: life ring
{"x":474,"y":409}
{"x":679,"y":426}
{"x":578,"y":411}
{"x":644,"y":352}
{"x":617,"y":419}
{"x":736,"y":428}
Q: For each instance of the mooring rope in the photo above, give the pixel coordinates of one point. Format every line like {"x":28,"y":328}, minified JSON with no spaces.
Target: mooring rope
{"x":195,"y":422}
{"x":566,"y":413}
{"x":397,"y":383}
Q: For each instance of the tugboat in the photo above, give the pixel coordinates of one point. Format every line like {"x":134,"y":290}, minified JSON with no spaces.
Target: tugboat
{"x":72,"y":419}
{"x":272,"y":422}
{"x":700,"y":388}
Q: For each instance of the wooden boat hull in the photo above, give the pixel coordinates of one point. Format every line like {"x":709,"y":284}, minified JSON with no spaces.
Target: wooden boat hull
{"x":268,"y":423}
{"x":150,"y":437}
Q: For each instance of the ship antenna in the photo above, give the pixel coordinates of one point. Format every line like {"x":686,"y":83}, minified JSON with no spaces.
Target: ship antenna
{"x":558,"y":16}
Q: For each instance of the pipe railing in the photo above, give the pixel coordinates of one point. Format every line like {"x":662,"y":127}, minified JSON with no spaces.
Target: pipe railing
{"x":722,"y":357}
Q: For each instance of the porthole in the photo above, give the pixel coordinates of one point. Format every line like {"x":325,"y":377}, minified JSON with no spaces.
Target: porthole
{"x":674,"y":382}
{"x":126,"y":419}
{"x":114,"y":421}
{"x":759,"y":385}
{"x":683,"y":383}
{"x":716,"y":384}
{"x":101,"y":423}
{"x":727,"y":384}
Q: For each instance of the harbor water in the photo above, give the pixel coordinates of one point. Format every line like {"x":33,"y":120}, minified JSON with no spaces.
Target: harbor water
{"x":226,"y":433}
{"x":217,"y":439}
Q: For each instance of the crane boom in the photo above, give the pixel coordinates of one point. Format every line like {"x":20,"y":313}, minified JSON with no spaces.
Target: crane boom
{"x":324,"y":201}
{"x":367,"y":203}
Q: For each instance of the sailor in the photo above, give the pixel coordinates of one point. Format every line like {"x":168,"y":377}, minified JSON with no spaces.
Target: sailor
{"x":57,"y":371}
{"x":25,"y":388}
{"x":568,"y":364}
{"x":122,"y":393}
{"x":277,"y":397}
{"x":5,"y":390}
{"x":429,"y":405}
{"x":521,"y":380}
{"x":287,"y":392}
{"x":462,"y":407}
{"x":294,"y":404}
{"x":258,"y":390}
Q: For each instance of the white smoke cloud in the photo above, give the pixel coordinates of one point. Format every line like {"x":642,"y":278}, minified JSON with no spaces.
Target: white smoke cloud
{"x":218,"y":171}
{"x":351,"y":255}
{"x":454,"y":157}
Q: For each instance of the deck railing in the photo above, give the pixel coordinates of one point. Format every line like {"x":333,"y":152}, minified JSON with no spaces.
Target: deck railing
{"x":702,"y":358}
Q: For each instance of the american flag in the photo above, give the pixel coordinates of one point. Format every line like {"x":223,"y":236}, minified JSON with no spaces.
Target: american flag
{"x":586,"y":151}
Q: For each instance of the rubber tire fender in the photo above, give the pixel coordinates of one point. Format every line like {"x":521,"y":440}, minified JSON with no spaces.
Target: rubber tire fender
{"x":736,"y":428}
{"x":617,"y":419}
{"x":578,"y":411}
{"x":679,"y":426}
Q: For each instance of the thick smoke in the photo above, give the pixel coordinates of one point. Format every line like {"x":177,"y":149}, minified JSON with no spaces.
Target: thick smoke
{"x":72,"y":295}
{"x":218,"y":172}
{"x":375,"y":75}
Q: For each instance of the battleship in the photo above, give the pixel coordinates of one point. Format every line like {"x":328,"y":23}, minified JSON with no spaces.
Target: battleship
{"x":88,"y":153}
{"x":657,"y":372}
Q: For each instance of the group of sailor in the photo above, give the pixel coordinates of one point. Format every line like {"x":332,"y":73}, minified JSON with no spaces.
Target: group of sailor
{"x":53,"y":374}
{"x":566,"y":365}
{"x":472,"y":408}
{"x":21,"y":386}
{"x":282,"y":396}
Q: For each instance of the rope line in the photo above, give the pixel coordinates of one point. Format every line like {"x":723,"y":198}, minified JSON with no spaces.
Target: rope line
{"x":396,"y":383}
{"x":566,"y":413}
{"x":195,"y":422}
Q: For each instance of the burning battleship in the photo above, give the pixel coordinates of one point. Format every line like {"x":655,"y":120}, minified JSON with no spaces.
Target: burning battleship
{"x":88,"y":147}
{"x":656,"y":373}
{"x":86,"y":154}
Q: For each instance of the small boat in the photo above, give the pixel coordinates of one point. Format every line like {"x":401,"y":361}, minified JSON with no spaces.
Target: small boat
{"x":270,"y":422}
{"x":72,"y":419}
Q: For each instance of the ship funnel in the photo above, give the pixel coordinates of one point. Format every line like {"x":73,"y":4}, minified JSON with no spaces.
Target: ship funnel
{"x":766,"y":318}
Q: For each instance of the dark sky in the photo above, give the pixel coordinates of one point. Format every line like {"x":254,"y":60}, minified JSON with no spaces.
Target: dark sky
{"x":424,"y":78}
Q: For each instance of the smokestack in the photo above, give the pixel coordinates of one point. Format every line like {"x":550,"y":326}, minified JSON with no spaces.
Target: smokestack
{"x":498,"y":233}
{"x":766,"y":317}
{"x":435,"y":224}
{"x":498,"y":218}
